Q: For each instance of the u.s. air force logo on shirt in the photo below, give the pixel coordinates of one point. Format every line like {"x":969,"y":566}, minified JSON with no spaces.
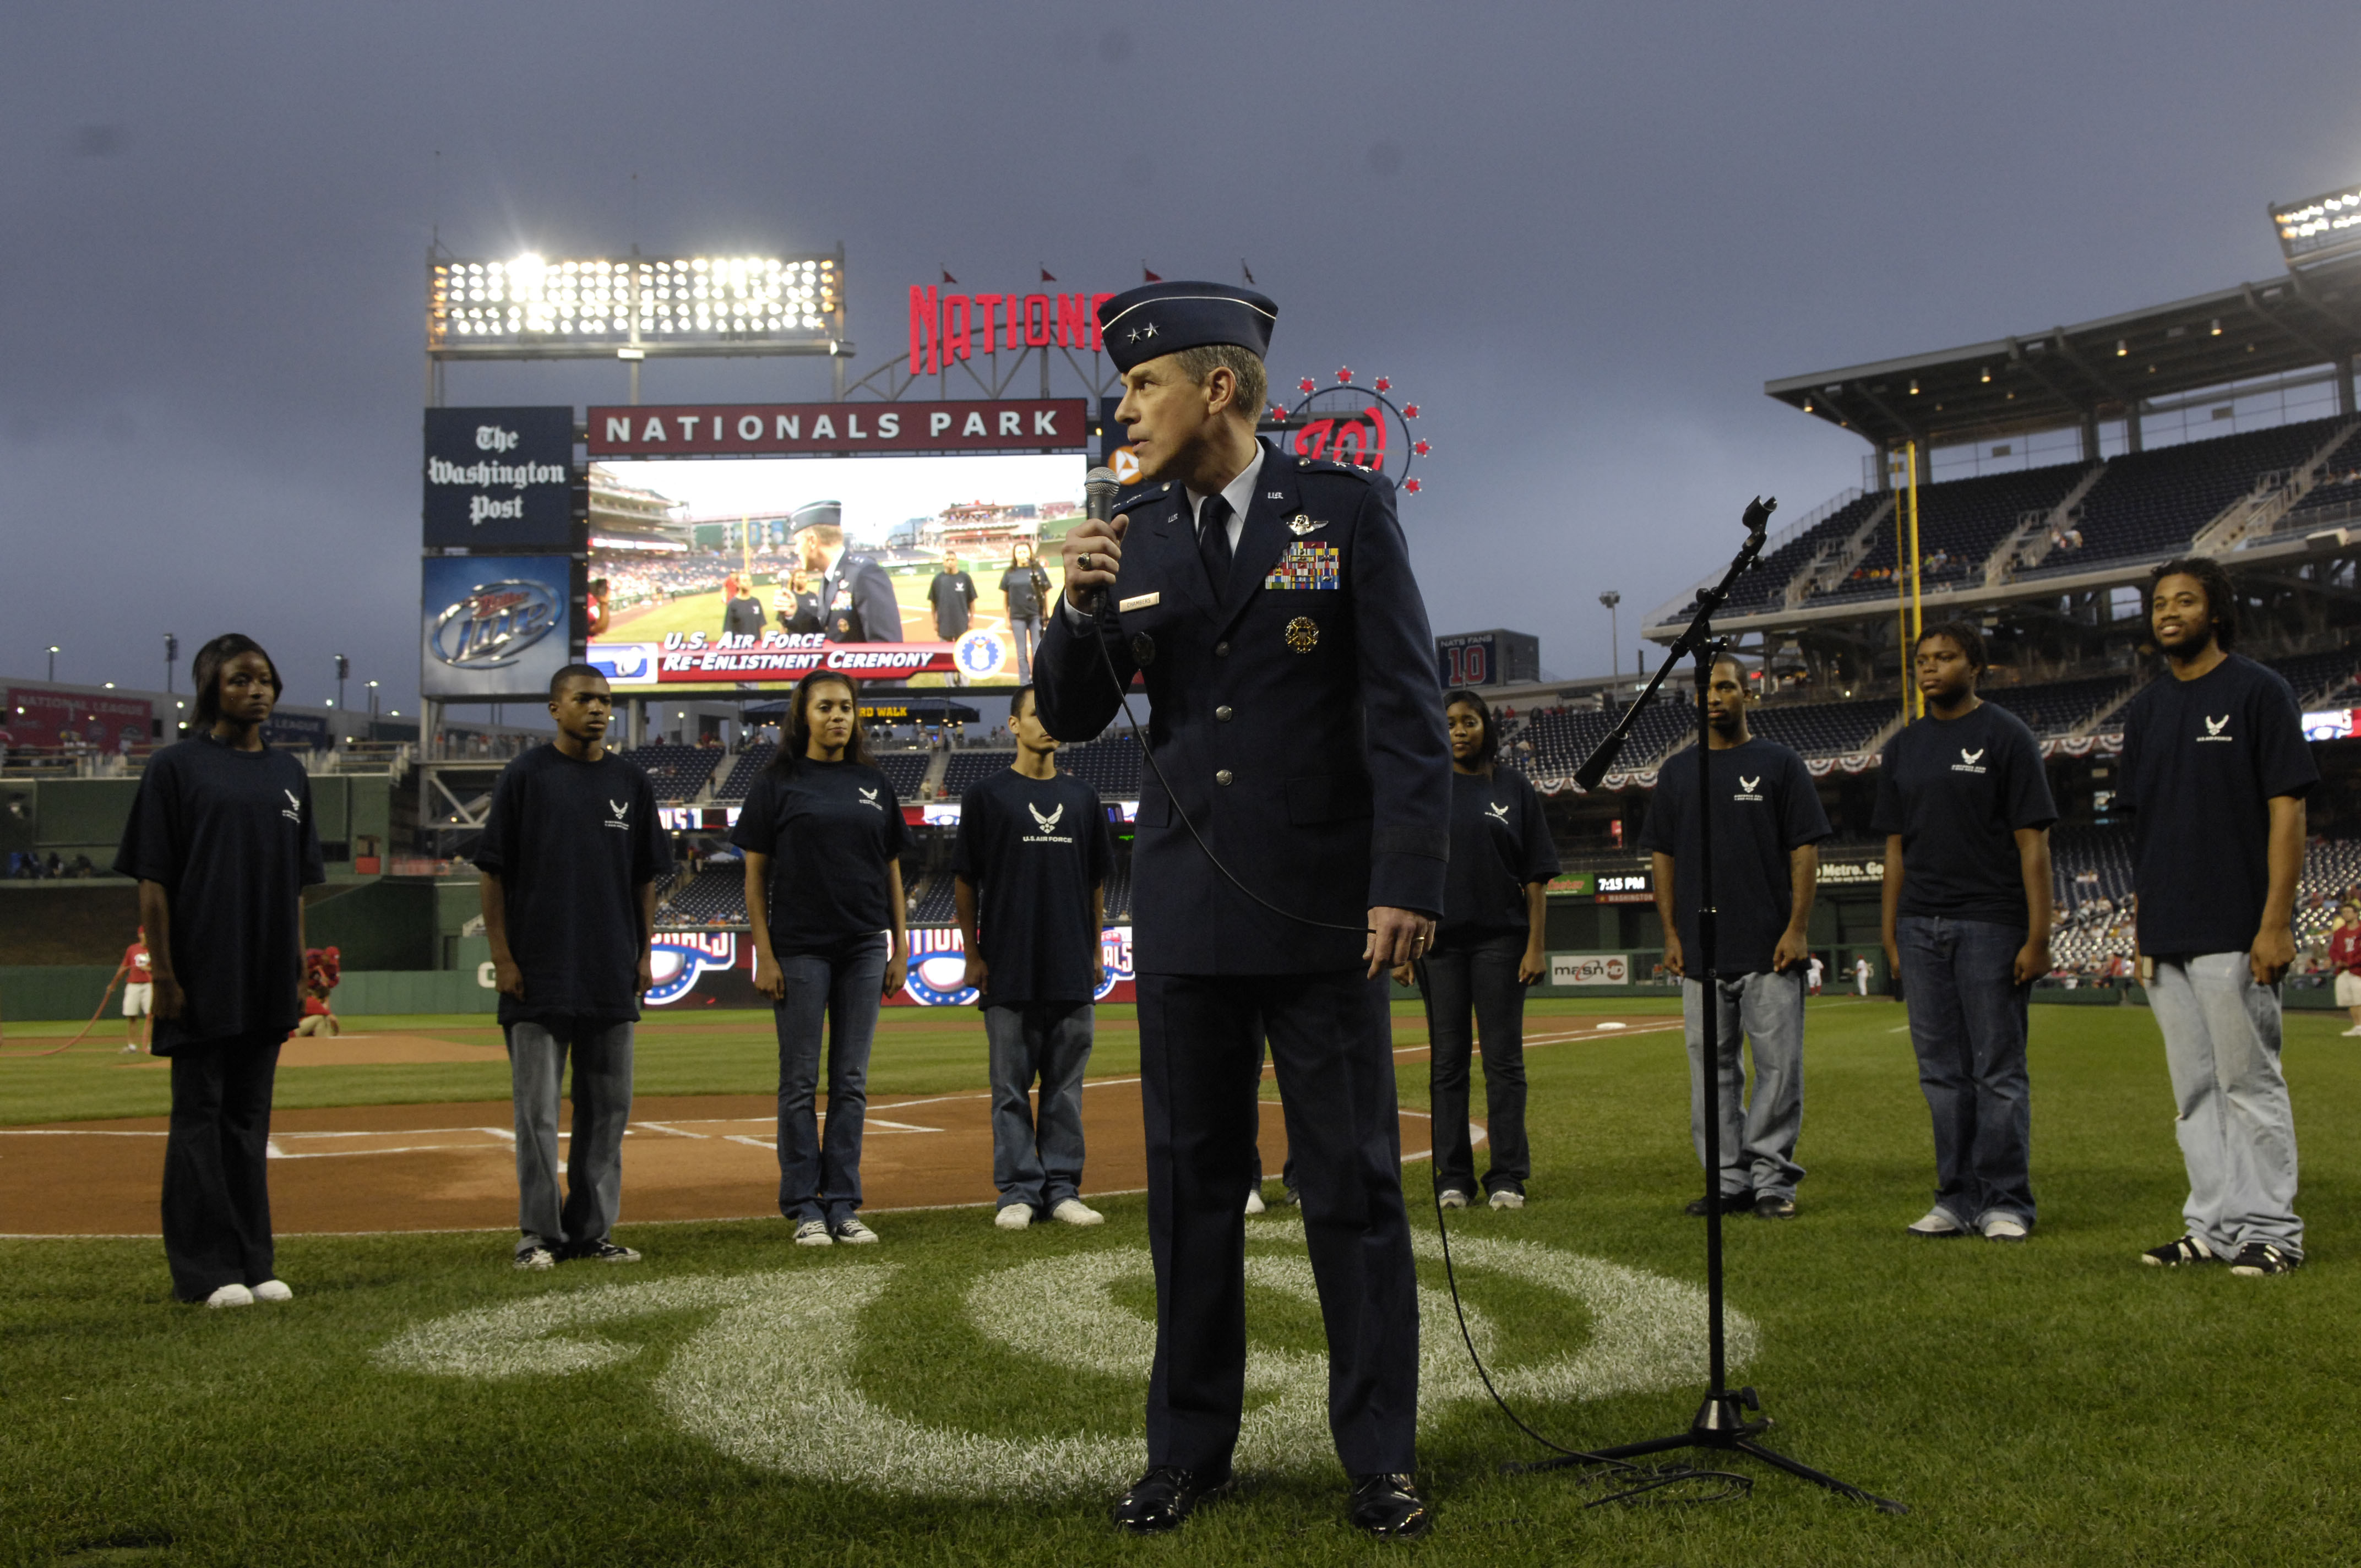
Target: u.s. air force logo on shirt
{"x":1748,"y":789}
{"x":1498,"y":811}
{"x":1047,"y":823}
{"x":293,"y":809}
{"x":2215,"y":728}
{"x":869,"y":799}
{"x":1970,"y":762}
{"x":618,"y":815}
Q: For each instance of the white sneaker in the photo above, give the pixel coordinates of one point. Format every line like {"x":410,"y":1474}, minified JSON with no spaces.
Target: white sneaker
{"x":852,"y":1233}
{"x":1014,"y":1217}
{"x":134,"y":1051}
{"x":1936,"y":1222}
{"x":1255,"y":1205}
{"x":1453,"y":1199}
{"x":231,"y":1296}
{"x":1504,"y":1199}
{"x":2355,"y":1030}
{"x":535,"y":1259}
{"x":1074,"y":1212}
{"x":273,"y":1290}
{"x":2005,"y":1228}
{"x":814,"y":1233}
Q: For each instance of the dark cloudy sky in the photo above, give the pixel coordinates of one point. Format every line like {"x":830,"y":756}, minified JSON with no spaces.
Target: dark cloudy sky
{"x":1581,"y":235}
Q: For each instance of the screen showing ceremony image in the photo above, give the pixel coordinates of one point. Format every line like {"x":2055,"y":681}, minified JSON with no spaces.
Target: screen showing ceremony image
{"x":918,"y":571}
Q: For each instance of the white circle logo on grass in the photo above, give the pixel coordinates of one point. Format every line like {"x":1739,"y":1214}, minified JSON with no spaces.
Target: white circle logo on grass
{"x":769,"y":1379}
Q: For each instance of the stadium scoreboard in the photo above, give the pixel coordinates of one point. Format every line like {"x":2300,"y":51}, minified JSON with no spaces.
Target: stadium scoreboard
{"x":2318,"y":227}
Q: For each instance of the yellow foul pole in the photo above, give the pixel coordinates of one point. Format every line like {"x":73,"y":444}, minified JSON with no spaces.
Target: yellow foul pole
{"x":1918,"y":621}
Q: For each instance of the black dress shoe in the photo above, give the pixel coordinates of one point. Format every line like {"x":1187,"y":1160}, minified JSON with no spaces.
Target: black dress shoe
{"x":1731,"y":1203}
{"x":1159,"y":1500}
{"x":1389,"y":1508}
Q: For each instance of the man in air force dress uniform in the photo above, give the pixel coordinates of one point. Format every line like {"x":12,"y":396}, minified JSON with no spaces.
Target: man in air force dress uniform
{"x":1268,"y":601}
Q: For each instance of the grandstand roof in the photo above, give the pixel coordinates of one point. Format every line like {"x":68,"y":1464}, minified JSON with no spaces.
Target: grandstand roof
{"x":2065,"y":375}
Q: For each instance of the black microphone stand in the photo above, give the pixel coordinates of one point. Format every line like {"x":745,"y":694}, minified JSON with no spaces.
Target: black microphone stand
{"x":1720,"y":1422}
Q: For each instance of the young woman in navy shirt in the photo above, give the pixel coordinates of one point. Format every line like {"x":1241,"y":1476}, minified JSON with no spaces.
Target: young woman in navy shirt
{"x":1489,"y":947}
{"x":222,"y":840}
{"x":822,"y":832}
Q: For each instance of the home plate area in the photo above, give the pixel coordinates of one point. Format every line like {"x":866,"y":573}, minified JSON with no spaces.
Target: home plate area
{"x":452,"y":1166}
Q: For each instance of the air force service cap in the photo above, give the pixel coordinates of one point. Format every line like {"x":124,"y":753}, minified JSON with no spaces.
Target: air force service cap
{"x":815,"y":514}
{"x":1138,"y":324}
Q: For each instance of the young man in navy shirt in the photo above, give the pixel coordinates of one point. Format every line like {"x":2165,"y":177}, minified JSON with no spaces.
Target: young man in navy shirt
{"x":1031,"y":865}
{"x":2215,"y":772}
{"x":1965,"y":807}
{"x":569,"y":857}
{"x":1767,"y":825}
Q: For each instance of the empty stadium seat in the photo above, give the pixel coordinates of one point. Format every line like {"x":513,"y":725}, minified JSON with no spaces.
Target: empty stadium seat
{"x":677,"y":772}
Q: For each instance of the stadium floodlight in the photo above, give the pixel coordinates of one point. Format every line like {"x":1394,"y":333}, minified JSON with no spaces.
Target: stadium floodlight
{"x":532,"y":307}
{"x":2318,"y":227}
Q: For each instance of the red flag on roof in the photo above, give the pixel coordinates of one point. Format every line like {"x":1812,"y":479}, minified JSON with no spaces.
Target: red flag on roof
{"x":1045,"y":276}
{"x":947,"y":276}
{"x":1147,"y":277}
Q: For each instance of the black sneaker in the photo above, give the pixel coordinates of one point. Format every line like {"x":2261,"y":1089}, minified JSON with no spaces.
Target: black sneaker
{"x":1161,"y":1500}
{"x":606,"y":1252}
{"x":2178,"y":1255}
{"x":1731,"y":1203}
{"x":1389,"y":1508}
{"x":1771,"y":1206}
{"x":2256,"y":1259}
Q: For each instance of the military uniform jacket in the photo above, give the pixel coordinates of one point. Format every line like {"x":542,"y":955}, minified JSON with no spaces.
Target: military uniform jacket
{"x":1298,"y":719}
{"x":857,"y":600}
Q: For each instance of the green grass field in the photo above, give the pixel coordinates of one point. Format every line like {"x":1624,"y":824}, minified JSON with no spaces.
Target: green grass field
{"x":2053,"y":1403}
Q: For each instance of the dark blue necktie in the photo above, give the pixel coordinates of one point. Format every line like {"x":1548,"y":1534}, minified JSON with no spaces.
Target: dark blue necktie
{"x":1214,"y":543}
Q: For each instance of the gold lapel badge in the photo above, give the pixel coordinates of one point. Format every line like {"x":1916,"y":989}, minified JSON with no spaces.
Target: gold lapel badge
{"x":1303,"y":634}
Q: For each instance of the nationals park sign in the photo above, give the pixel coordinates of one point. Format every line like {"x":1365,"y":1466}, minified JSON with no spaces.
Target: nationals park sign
{"x":828,"y":430}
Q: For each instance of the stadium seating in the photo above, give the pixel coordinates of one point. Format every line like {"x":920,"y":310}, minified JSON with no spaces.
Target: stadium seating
{"x":715,"y":894}
{"x":1562,"y":738}
{"x":751,"y":762}
{"x":1110,"y":765}
{"x":1961,"y":522}
{"x":972,"y":767}
{"x":2059,"y":707}
{"x":1823,"y":728}
{"x":937,"y":903}
{"x":2320,"y":678}
{"x":678,"y":772}
{"x":905,"y":771}
{"x":2152,"y":503}
{"x":1768,"y":581}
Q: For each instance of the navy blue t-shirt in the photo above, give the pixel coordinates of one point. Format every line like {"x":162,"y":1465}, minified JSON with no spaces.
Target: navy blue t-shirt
{"x":832,"y":830}
{"x":2201,"y":761}
{"x":1499,"y":843}
{"x":573,"y":842}
{"x":229,"y":836}
{"x":1957,"y":790}
{"x":1763,"y":807}
{"x":1034,"y":848}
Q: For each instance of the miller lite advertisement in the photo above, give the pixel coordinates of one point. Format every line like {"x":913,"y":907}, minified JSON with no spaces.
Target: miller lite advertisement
{"x":499,"y":479}
{"x":495,"y":626}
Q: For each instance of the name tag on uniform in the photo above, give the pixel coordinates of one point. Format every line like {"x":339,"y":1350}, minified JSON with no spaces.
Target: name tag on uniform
{"x":1306,"y":565}
{"x":1140,"y":601}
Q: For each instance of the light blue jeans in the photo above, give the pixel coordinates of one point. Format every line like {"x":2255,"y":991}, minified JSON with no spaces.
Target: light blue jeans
{"x":1758,"y":1134}
{"x":1967,"y":1023}
{"x":593,"y":1195}
{"x":1037,"y":1161}
{"x":2237,"y":1126}
{"x":821,"y":1179}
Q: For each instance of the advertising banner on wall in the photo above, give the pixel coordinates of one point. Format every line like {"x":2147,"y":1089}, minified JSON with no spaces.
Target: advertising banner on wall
{"x":499,"y":479}
{"x":495,"y":627}
{"x":42,"y":715}
{"x":792,"y":429}
{"x":716,"y":969}
{"x":1590,"y":968}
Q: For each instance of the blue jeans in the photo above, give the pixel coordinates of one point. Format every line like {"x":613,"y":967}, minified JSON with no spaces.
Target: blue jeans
{"x":1476,"y":972}
{"x":1968,"y":1024}
{"x":584,"y":1214}
{"x":1037,"y":1161}
{"x":2237,"y":1126}
{"x":821,"y":1179}
{"x":1758,"y":1135}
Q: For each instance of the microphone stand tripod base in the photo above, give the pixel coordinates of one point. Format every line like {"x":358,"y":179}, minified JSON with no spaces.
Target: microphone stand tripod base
{"x":1722,"y":1426}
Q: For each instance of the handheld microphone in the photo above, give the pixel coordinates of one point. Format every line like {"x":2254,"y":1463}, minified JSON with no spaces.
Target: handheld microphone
{"x":1099,"y":489}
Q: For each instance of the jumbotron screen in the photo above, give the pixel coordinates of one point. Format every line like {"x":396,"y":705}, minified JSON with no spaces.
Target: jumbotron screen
{"x":704,"y":576}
